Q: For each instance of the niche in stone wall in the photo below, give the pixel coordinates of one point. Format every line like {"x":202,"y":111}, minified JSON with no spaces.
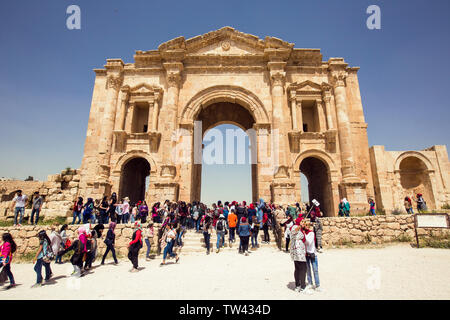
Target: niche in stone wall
{"x":140,"y":118}
{"x":414,"y":178}
{"x":310,"y":116}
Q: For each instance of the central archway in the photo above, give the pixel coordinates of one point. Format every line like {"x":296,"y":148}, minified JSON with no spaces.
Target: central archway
{"x":224,"y":104}
{"x":218,"y":114}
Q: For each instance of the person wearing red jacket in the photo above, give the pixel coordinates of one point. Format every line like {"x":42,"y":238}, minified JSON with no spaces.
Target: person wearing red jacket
{"x":135,"y":245}
{"x":265,"y":222}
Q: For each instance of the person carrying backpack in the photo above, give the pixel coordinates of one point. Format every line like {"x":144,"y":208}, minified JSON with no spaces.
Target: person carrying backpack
{"x":196,"y":216}
{"x":221,"y":230}
{"x":7,"y":249}
{"x":42,"y":258}
{"x":88,"y":209}
{"x":206,"y":228}
{"x":254,"y":227}
{"x":77,"y":247}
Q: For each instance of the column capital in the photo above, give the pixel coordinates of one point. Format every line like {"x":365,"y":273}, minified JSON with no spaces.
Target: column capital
{"x":124,"y":93}
{"x":293,"y":95}
{"x":338,"y":78}
{"x":173,"y":70}
{"x":277,"y":73}
{"x":114,"y":81}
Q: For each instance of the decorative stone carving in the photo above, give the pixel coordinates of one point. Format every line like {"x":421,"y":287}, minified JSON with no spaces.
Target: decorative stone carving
{"x":226,"y":45}
{"x":154,"y":139}
{"x":168,"y":171}
{"x":114,"y":82}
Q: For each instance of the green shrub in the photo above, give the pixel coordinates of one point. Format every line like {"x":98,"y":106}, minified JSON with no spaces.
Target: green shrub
{"x":380,"y":212}
{"x":403,"y":238}
{"x":397,"y":211}
{"x":446,"y":206}
{"x":441,"y":242}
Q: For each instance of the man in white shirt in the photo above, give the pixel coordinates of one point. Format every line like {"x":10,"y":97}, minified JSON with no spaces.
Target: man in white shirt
{"x":19,"y":202}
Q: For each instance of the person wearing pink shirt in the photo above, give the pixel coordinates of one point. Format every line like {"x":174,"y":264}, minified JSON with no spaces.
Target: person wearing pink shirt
{"x":7,"y":248}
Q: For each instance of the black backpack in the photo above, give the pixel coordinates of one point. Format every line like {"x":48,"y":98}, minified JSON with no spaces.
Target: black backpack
{"x":219,"y":225}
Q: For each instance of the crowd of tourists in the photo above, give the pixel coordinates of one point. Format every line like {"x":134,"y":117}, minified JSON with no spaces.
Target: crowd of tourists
{"x":301,"y":222}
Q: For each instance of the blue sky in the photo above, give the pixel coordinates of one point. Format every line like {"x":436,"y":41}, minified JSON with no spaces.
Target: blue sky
{"x":46,"y":76}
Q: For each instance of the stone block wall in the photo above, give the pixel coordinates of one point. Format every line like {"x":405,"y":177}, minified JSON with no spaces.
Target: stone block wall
{"x":28,"y":242}
{"x":59,"y":193}
{"x":360,"y":230}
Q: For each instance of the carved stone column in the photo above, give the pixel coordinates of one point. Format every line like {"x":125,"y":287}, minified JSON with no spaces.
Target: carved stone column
{"x":124,"y":95}
{"x":173,"y":76}
{"x":154,"y":116}
{"x":300,"y":114}
{"x":114,"y":81}
{"x":130,"y":116}
{"x":321,"y":116}
{"x":277,"y":80}
{"x":345,"y":141}
{"x":326,"y":96}
{"x":293,"y":99}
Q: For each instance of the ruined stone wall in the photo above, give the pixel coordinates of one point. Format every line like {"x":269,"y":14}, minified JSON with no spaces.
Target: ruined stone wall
{"x":59,"y":193}
{"x":360,"y":230}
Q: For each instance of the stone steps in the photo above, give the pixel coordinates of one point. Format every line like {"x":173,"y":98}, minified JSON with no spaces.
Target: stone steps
{"x":194,"y":242}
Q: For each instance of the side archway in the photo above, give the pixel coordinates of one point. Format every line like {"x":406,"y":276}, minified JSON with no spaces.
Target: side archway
{"x":319,"y":170}
{"x":415,"y":172}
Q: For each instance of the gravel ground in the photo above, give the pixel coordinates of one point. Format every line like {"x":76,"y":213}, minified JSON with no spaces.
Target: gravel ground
{"x":392,"y":272}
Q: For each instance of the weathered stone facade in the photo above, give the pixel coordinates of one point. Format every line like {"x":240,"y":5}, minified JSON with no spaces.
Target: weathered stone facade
{"x":312,"y":107}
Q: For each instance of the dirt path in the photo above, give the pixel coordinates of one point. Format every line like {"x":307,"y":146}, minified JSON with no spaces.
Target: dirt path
{"x":393,"y":272}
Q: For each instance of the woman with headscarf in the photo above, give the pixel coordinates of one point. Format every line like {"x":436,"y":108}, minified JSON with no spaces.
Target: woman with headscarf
{"x":88,"y":209}
{"x":64,"y":242}
{"x":408,"y":205}
{"x":206,"y":227}
{"x":55,"y":240}
{"x":261,"y":206}
{"x":112,"y":208}
{"x":77,"y":207}
{"x":155,"y":213}
{"x":41,"y":259}
{"x":109,"y":241}
{"x":421,"y":204}
{"x":244,"y":233}
{"x":79,"y":249}
{"x":287,"y":231}
{"x":298,"y":254}
{"x":346,"y":207}
{"x":7,"y":249}
{"x":135,"y":245}
{"x":103,"y":209}
{"x":169,"y":240}
{"x":265,"y":224}
{"x":95,"y":234}
{"x":143,"y":212}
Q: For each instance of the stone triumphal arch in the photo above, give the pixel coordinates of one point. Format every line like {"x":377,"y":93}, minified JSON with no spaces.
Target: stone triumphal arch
{"x":305,"y":114}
